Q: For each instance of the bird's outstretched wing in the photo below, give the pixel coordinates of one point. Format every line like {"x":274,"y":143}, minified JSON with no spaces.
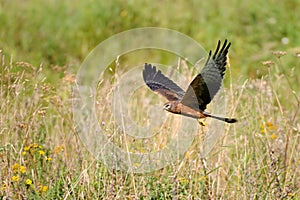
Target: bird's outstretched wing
{"x":206,"y":84}
{"x":159,"y":83}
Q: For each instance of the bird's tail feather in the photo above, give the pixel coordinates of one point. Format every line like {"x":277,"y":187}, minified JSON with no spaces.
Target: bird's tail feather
{"x":225,"y":119}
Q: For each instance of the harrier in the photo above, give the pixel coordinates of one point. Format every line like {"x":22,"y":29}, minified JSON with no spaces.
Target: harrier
{"x":193,"y":102}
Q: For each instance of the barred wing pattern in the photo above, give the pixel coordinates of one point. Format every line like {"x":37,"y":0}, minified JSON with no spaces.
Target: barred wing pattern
{"x":159,"y":83}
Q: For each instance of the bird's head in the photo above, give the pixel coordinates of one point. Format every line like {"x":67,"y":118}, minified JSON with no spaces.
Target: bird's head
{"x":173,"y":107}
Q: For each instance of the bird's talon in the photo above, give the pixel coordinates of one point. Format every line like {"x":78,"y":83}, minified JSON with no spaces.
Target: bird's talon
{"x":202,"y":122}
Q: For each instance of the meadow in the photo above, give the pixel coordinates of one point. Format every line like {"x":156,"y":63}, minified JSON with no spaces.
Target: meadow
{"x":42,"y":45}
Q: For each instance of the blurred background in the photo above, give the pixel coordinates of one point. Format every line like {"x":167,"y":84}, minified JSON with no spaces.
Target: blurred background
{"x":62,"y":33}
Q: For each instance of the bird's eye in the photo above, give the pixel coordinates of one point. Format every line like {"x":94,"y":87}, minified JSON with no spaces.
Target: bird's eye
{"x":167,"y":107}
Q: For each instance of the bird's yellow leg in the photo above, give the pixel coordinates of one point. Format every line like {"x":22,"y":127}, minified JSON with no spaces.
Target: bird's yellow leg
{"x":202,"y":122}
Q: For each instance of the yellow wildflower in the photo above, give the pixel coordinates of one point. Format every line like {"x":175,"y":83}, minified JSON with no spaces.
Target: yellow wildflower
{"x":268,"y":126}
{"x":262,"y":128}
{"x":41,"y":152}
{"x":44,"y":188}
{"x":4,"y":186}
{"x":15,"y":178}
{"x":28,"y":182}
{"x":27,"y":148}
{"x":183,"y":180}
{"x":24,"y":153}
{"x":22,"y":169}
{"x":58,"y":149}
{"x":143,"y":151}
{"x":273,"y":136}
{"x":15,"y":167}
{"x":48,"y":158}
{"x":271,"y":126}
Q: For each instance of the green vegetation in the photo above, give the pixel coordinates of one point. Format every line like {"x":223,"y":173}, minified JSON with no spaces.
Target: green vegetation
{"x":43,"y":44}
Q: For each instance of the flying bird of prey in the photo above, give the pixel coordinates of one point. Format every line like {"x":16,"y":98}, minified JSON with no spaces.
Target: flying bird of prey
{"x":201,"y":91}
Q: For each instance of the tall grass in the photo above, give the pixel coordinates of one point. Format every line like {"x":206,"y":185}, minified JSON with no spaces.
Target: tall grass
{"x":42,"y":157}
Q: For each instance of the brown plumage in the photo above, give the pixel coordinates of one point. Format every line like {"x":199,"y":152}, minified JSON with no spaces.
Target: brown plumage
{"x":201,"y":90}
